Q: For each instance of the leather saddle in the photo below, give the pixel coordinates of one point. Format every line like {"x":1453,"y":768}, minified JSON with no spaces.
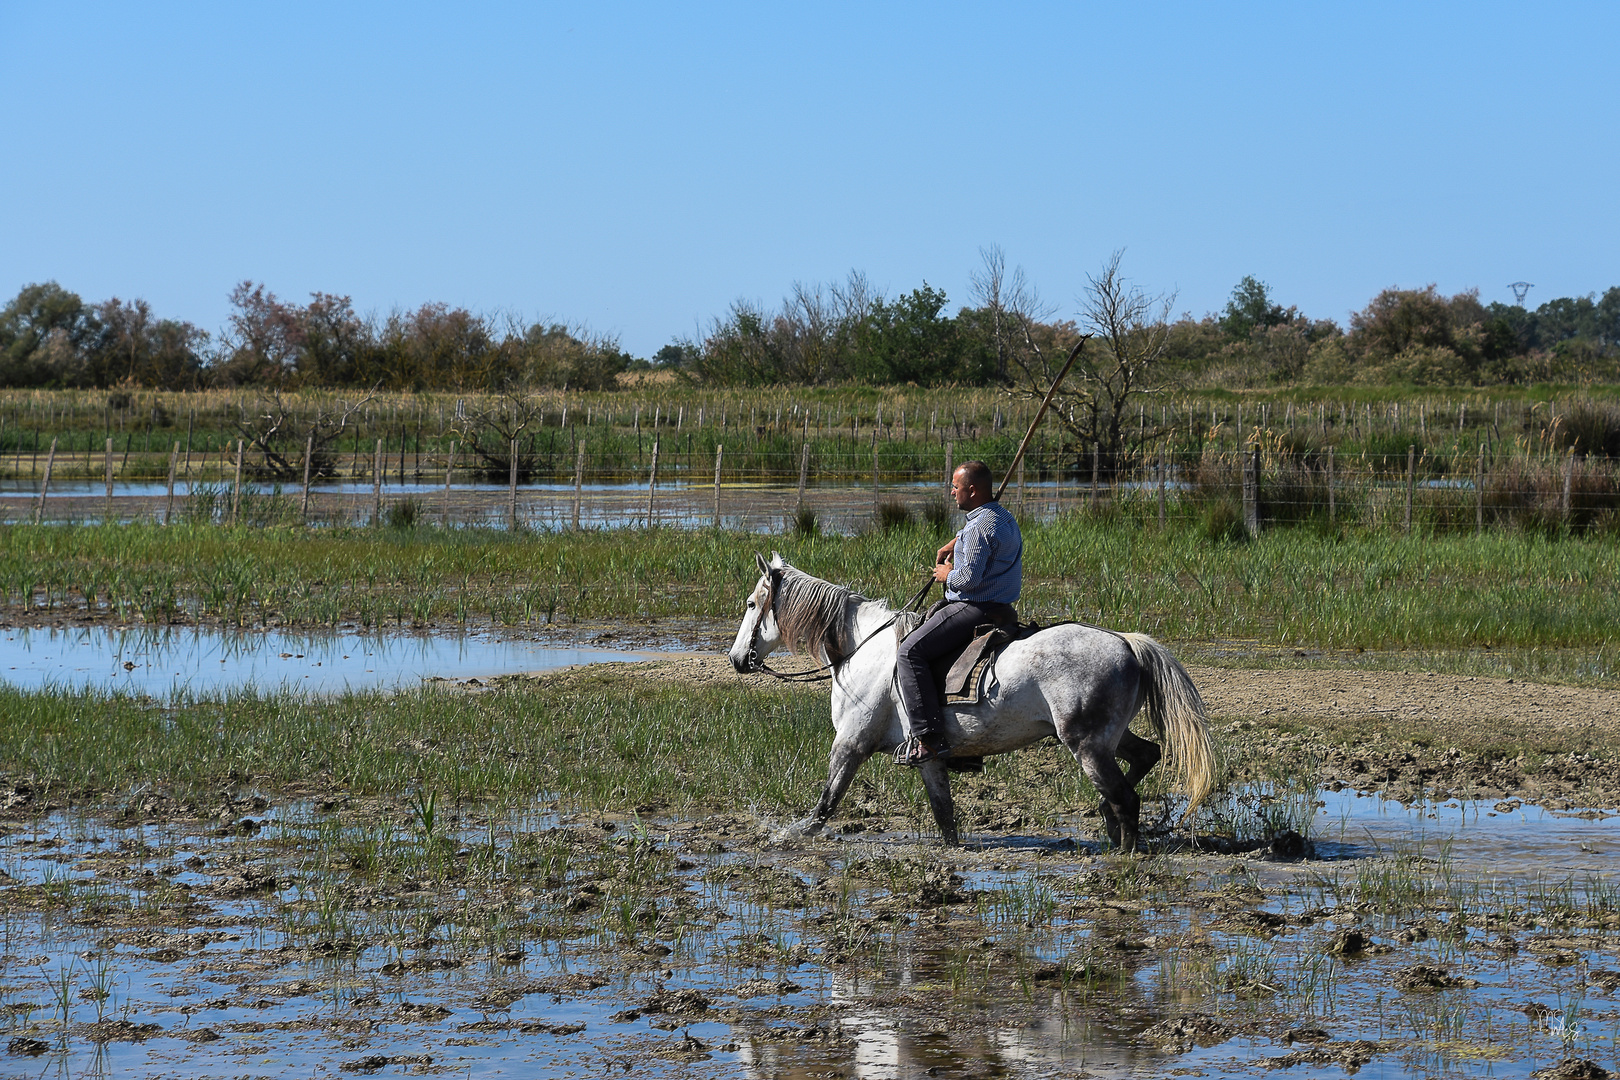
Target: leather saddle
{"x":961,"y":678}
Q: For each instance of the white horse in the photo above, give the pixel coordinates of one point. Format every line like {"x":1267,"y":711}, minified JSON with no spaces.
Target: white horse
{"x":1079,"y":683}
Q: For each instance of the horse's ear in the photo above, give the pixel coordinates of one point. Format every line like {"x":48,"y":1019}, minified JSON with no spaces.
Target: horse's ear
{"x":764,"y":567}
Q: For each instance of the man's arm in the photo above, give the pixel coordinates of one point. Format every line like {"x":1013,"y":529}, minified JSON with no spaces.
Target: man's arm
{"x":971,"y":559}
{"x":942,"y":561}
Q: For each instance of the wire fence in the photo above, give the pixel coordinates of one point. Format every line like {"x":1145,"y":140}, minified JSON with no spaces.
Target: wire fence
{"x":839,"y":488}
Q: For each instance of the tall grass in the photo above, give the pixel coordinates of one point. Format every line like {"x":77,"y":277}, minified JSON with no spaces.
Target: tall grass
{"x":608,"y":745}
{"x":1299,"y":588}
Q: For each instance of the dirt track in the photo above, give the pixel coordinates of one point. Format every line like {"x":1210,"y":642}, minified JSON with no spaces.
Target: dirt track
{"x":1464,"y":707}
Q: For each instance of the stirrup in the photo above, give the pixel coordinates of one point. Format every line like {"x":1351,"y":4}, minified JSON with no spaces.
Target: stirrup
{"x":914,"y":753}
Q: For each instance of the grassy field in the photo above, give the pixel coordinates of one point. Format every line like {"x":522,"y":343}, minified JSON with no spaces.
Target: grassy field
{"x":600,"y":743}
{"x":1539,"y":600}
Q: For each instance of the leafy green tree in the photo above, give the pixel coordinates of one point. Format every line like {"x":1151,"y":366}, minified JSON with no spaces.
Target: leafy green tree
{"x":1251,"y":308}
{"x":45,"y":332}
{"x":1417,"y":336}
{"x":1606,"y":319}
{"x":675,"y":355}
{"x":554,"y":355}
{"x":738,"y":350}
{"x":131,"y":347}
{"x":337,"y":347}
{"x":262,"y":340}
{"x":909,"y":340}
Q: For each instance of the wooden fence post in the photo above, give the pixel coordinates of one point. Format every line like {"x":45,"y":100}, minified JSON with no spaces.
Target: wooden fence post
{"x":804,"y":470}
{"x":1161,"y":486}
{"x":107,"y":468}
{"x":236,"y":486}
{"x":719,"y":454}
{"x":1569,"y":484}
{"x":449,"y":470}
{"x":1096,"y":475}
{"x":511,"y":486}
{"x":876,"y":500}
{"x":1332,"y":507}
{"x":1411,"y":482}
{"x":950,"y":470}
{"x":174,"y":464}
{"x":45,"y":483}
{"x":376,"y":485}
{"x":309,"y":458}
{"x":1251,"y":490}
{"x":1479,"y":492}
{"x":579,"y":480}
{"x":652,"y":483}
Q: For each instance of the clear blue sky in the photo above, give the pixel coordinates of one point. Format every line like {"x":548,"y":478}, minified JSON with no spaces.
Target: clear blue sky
{"x":636,"y":167}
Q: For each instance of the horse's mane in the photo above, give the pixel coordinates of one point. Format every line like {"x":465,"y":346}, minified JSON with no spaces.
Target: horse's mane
{"x":810,"y":613}
{"x":906,"y":622}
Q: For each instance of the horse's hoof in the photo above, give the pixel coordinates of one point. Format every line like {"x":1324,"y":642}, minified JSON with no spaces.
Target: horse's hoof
{"x":803,"y":827}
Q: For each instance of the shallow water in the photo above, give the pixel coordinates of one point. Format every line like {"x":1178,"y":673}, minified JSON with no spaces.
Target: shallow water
{"x":751,"y":506}
{"x":956,"y":996}
{"x":163,"y":662}
{"x":1516,"y":840}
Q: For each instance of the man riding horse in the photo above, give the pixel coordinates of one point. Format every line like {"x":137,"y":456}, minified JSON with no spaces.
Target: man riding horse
{"x":982,"y":569}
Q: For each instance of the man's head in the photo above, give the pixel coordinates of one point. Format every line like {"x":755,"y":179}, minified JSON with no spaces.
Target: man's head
{"x":971,"y":485}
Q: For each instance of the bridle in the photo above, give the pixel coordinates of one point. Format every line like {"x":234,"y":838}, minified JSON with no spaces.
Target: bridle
{"x":773,"y":580}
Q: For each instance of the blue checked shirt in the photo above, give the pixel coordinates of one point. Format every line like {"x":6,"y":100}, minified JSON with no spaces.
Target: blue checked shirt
{"x":988,"y":565}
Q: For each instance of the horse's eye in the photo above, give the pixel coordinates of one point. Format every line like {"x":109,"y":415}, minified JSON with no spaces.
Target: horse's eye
{"x":750,"y":603}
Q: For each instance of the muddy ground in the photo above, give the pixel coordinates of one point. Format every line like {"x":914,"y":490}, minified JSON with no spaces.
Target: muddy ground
{"x":244,"y":936}
{"x":1408,"y":735}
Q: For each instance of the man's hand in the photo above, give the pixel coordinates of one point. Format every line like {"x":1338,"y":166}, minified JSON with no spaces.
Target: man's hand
{"x":944,"y":554}
{"x":942,"y":571}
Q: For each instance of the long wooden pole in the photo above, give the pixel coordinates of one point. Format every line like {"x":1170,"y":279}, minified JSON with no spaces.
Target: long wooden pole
{"x":1074,"y":354}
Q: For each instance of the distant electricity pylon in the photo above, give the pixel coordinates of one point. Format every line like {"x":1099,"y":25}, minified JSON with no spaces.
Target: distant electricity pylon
{"x":1520,"y":290}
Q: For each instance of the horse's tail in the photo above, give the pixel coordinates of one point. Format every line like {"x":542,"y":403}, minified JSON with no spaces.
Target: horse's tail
{"x":1177,"y":714}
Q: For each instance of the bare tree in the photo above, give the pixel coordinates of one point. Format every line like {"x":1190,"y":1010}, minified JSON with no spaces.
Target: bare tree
{"x":489,"y":432}
{"x":1012,"y":304}
{"x":276,"y":432}
{"x":263,"y":338}
{"x":1123,"y":363}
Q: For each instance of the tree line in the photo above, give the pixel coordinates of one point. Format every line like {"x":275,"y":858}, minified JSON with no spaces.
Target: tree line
{"x":846,"y":332}
{"x":851,"y":333}
{"x":50,"y":337}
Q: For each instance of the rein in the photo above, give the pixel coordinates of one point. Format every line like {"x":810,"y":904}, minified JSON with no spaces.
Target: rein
{"x":757,"y":663}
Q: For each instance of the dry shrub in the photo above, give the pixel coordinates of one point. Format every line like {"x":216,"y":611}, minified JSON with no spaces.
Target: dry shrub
{"x":893,"y":514}
{"x":1530,"y":494}
{"x":1293,"y":486}
{"x":1589,"y":429}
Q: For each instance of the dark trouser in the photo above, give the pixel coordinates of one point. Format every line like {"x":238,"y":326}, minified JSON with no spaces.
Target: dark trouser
{"x":947,"y":631}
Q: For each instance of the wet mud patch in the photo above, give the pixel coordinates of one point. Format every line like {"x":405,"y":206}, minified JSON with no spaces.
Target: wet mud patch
{"x":548,"y":941}
{"x":1304,"y":923}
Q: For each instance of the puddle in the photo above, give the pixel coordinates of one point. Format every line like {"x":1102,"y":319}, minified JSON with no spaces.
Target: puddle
{"x":163,"y":662}
{"x":328,"y":936}
{"x":762,"y":507}
{"x":1507,"y":837}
